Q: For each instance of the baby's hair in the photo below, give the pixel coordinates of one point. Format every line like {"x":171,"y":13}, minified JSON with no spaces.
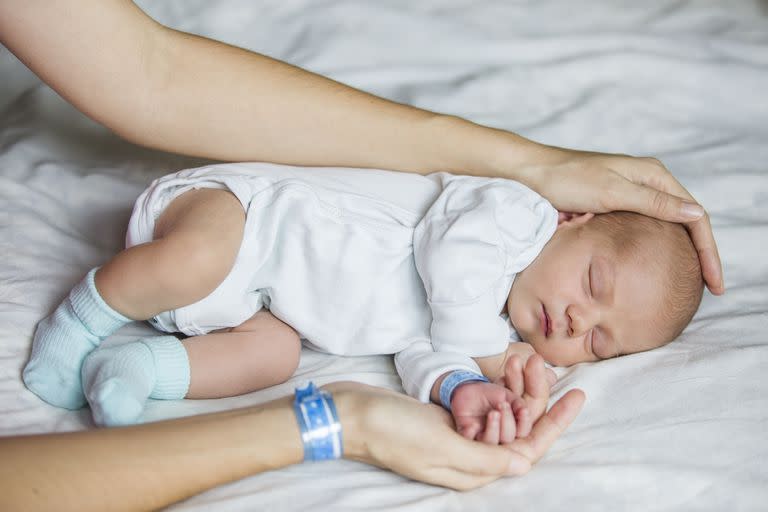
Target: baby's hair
{"x":667,"y":247}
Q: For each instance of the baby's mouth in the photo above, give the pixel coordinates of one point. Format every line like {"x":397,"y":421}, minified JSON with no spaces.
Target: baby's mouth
{"x":546,"y":323}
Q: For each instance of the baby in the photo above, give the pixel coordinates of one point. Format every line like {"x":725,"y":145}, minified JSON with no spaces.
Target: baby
{"x":443,"y":271}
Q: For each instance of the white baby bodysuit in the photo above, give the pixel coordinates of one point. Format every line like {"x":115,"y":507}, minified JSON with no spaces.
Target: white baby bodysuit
{"x":364,"y":262}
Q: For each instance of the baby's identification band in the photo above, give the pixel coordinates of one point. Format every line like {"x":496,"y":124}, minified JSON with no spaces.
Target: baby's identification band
{"x":319,"y":423}
{"x":454,"y":380}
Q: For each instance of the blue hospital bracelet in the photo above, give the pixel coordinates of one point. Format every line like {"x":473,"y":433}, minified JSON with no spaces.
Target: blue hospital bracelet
{"x":318,"y":422}
{"x":454,"y":380}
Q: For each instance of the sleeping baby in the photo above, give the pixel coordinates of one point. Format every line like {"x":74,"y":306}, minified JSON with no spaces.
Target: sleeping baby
{"x":455,"y":275}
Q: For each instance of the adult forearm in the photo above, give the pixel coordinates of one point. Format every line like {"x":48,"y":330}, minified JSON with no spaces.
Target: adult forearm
{"x":259,"y":108}
{"x":178,"y":92}
{"x":148,"y":466}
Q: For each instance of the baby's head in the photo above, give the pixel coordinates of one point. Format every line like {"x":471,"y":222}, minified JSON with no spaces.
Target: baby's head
{"x":607,"y":285}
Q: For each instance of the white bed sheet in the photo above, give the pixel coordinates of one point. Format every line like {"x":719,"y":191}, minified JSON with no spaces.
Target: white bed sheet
{"x":679,"y":428}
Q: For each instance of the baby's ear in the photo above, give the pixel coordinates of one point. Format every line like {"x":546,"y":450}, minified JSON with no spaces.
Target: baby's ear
{"x":572,"y":219}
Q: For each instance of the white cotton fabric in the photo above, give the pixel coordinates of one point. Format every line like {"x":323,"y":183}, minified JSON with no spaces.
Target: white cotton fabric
{"x":356,"y":273}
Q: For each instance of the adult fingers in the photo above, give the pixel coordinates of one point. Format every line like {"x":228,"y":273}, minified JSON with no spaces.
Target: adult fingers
{"x":545,"y":432}
{"x":654,"y":202}
{"x":536,"y":385}
{"x":475,"y":458}
{"x":700,"y":229}
{"x":649,"y":188}
{"x":457,"y":479}
{"x":662,"y":205}
{"x":513,"y":375}
{"x":709,"y":258}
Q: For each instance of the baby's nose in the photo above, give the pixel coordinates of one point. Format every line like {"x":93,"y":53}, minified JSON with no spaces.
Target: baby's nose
{"x":579,"y":321}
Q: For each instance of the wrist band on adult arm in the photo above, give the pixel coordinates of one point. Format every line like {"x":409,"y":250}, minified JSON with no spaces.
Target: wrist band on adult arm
{"x":454,"y":380}
{"x":318,"y":422}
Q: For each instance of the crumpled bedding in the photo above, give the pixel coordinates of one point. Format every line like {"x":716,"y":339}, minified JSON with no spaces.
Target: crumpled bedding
{"x":678,"y":428}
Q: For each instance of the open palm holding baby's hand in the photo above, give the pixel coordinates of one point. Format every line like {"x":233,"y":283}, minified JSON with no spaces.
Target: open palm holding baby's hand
{"x":497,"y":413}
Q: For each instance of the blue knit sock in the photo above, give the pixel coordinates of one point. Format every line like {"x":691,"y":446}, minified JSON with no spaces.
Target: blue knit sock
{"x":119,"y":380}
{"x":64,"y":338}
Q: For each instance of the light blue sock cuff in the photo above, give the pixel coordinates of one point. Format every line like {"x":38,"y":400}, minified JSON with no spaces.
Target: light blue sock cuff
{"x":171,"y":367}
{"x":95,"y":314}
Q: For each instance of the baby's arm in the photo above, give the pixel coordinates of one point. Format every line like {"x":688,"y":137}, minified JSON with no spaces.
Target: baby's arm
{"x":485,"y":411}
{"x":498,"y":412}
{"x":424,"y":370}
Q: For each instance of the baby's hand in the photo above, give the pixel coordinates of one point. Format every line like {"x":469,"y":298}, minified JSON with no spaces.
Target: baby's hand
{"x":489,"y":413}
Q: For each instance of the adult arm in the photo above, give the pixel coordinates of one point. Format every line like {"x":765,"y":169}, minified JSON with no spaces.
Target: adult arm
{"x":178,"y":92}
{"x":149,"y":466}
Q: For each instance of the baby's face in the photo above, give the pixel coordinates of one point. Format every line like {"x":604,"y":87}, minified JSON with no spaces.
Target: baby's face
{"x":577,"y":302}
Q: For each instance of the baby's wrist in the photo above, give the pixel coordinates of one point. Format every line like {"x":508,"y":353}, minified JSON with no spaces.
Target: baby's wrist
{"x":453,"y":380}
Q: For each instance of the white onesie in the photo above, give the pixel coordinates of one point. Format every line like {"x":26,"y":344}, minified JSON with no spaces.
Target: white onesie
{"x":364,"y":262}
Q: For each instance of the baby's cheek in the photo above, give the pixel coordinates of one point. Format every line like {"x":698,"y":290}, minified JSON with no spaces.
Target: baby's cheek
{"x":551,"y":355}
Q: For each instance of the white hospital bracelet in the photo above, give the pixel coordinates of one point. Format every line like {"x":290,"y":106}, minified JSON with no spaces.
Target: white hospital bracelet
{"x":454,"y":380}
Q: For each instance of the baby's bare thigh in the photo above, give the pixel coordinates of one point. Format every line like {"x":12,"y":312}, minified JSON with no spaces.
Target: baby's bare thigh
{"x":205,"y":210}
{"x":262,"y":321}
{"x":262,"y":351}
{"x":267,"y":338}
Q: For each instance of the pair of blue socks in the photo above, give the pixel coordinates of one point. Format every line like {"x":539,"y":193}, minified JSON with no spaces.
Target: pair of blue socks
{"x":66,"y":370}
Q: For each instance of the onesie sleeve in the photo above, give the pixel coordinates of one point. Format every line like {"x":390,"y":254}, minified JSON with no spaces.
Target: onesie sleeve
{"x":419,"y":366}
{"x":472,"y":241}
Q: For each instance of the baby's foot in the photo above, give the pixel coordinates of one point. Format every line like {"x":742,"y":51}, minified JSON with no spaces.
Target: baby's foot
{"x":117,"y":382}
{"x":63,"y":339}
{"x":58,"y":351}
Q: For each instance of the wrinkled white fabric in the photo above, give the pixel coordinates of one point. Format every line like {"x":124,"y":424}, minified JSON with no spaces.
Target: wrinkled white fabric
{"x":356,"y":273}
{"x":673,"y":429}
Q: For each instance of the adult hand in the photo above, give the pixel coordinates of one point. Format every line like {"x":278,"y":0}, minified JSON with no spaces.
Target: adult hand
{"x":497,"y":368}
{"x":530,"y":380}
{"x":397,"y":432}
{"x":583,"y":181}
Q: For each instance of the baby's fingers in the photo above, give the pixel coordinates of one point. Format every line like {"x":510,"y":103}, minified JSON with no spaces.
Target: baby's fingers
{"x":492,"y":428}
{"x":470,"y":431}
{"x":508,"y":427}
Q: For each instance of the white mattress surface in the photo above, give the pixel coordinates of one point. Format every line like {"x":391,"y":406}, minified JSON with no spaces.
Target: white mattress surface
{"x":679,"y":428}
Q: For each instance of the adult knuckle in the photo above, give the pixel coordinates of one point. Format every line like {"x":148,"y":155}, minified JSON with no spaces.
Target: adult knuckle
{"x":610,"y":198}
{"x":660,"y":201}
{"x":652,"y":160}
{"x":654,"y":163}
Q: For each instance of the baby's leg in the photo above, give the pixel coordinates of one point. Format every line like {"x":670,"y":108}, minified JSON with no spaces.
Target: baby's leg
{"x":196,"y":242}
{"x":261,"y":352}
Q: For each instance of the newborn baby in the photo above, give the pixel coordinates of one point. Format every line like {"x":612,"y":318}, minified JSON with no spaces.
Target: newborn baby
{"x":441,"y":270}
{"x":604,"y":286}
